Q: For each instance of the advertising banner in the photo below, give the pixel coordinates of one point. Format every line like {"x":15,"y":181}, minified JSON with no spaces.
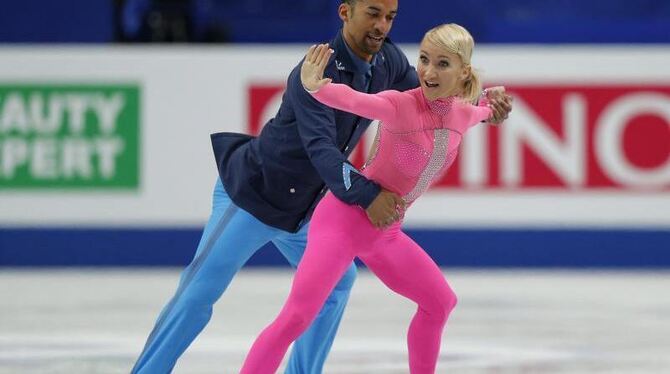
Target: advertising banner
{"x":66,"y":136}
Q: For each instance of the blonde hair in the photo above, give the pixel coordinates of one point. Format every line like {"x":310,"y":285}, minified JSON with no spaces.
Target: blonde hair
{"x":457,"y":40}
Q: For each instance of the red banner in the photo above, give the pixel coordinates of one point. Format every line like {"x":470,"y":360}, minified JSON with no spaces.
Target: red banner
{"x":557,"y":137}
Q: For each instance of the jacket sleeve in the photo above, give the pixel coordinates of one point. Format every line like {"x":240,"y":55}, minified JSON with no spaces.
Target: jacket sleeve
{"x":372,"y":106}
{"x":318,"y":133}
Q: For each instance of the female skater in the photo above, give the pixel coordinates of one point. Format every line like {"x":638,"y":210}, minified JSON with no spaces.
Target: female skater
{"x":417,"y":140}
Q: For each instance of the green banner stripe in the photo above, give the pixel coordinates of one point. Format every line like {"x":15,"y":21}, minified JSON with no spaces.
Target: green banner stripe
{"x":69,"y":136}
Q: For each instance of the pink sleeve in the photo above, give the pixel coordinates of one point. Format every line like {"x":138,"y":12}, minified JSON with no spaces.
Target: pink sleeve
{"x":466,"y":115}
{"x":481,"y":112}
{"x":372,"y":106}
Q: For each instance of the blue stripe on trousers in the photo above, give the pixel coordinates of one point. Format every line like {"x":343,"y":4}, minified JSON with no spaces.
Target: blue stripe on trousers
{"x":192,"y":271}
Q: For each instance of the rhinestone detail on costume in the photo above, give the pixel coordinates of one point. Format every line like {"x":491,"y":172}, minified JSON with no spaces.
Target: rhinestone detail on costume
{"x":435,"y":164}
{"x":441,"y":106}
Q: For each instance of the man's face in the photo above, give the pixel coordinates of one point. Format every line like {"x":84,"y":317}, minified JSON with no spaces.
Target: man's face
{"x":366,"y":24}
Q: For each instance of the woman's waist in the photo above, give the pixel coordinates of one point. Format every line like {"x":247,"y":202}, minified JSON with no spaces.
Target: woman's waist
{"x":335,"y":217}
{"x":335,"y":210}
{"x":389,"y":181}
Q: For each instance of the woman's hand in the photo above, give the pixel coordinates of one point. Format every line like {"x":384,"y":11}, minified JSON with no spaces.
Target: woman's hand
{"x":311,"y":72}
{"x":500,"y":104}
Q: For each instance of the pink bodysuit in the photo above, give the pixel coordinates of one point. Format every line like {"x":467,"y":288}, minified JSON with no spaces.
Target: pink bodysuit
{"x":416,"y":142}
{"x":417,"y":139}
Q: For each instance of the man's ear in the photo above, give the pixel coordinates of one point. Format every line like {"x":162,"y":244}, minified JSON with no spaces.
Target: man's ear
{"x":344,"y":11}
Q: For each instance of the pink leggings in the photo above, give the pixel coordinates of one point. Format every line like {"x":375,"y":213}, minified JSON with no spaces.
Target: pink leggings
{"x":339,"y":232}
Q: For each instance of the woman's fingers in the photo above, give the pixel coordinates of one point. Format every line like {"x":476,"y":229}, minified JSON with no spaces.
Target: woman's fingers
{"x":310,"y":53}
{"x":324,"y":55}
{"x":319,"y":55}
{"x":316,"y":60}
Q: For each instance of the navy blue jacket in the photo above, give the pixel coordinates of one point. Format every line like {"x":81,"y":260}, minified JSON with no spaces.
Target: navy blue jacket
{"x":279,"y":176}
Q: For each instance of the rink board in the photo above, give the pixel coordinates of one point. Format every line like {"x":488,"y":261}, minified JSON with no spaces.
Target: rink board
{"x":449,"y":247}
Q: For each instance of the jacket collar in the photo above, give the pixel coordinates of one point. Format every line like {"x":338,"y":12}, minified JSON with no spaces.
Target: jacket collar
{"x":344,"y":62}
{"x":343,"y":59}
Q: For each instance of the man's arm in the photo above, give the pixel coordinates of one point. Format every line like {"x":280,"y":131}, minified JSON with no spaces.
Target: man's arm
{"x":318,"y":133}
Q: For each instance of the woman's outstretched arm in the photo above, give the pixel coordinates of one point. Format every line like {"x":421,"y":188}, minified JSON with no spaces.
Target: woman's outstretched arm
{"x":340,"y":96}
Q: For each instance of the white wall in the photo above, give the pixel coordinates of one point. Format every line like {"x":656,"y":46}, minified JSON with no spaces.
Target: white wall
{"x":188,"y":93}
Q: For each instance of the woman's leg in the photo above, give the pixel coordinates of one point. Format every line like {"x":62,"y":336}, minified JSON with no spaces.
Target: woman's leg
{"x":327,"y":256}
{"x":311,"y":349}
{"x":406,"y":269}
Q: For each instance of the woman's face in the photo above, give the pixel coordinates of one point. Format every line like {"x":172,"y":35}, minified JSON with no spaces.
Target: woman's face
{"x":441,"y":73}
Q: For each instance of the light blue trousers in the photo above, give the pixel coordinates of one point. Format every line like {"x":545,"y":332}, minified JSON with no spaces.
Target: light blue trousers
{"x":230,"y":238}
